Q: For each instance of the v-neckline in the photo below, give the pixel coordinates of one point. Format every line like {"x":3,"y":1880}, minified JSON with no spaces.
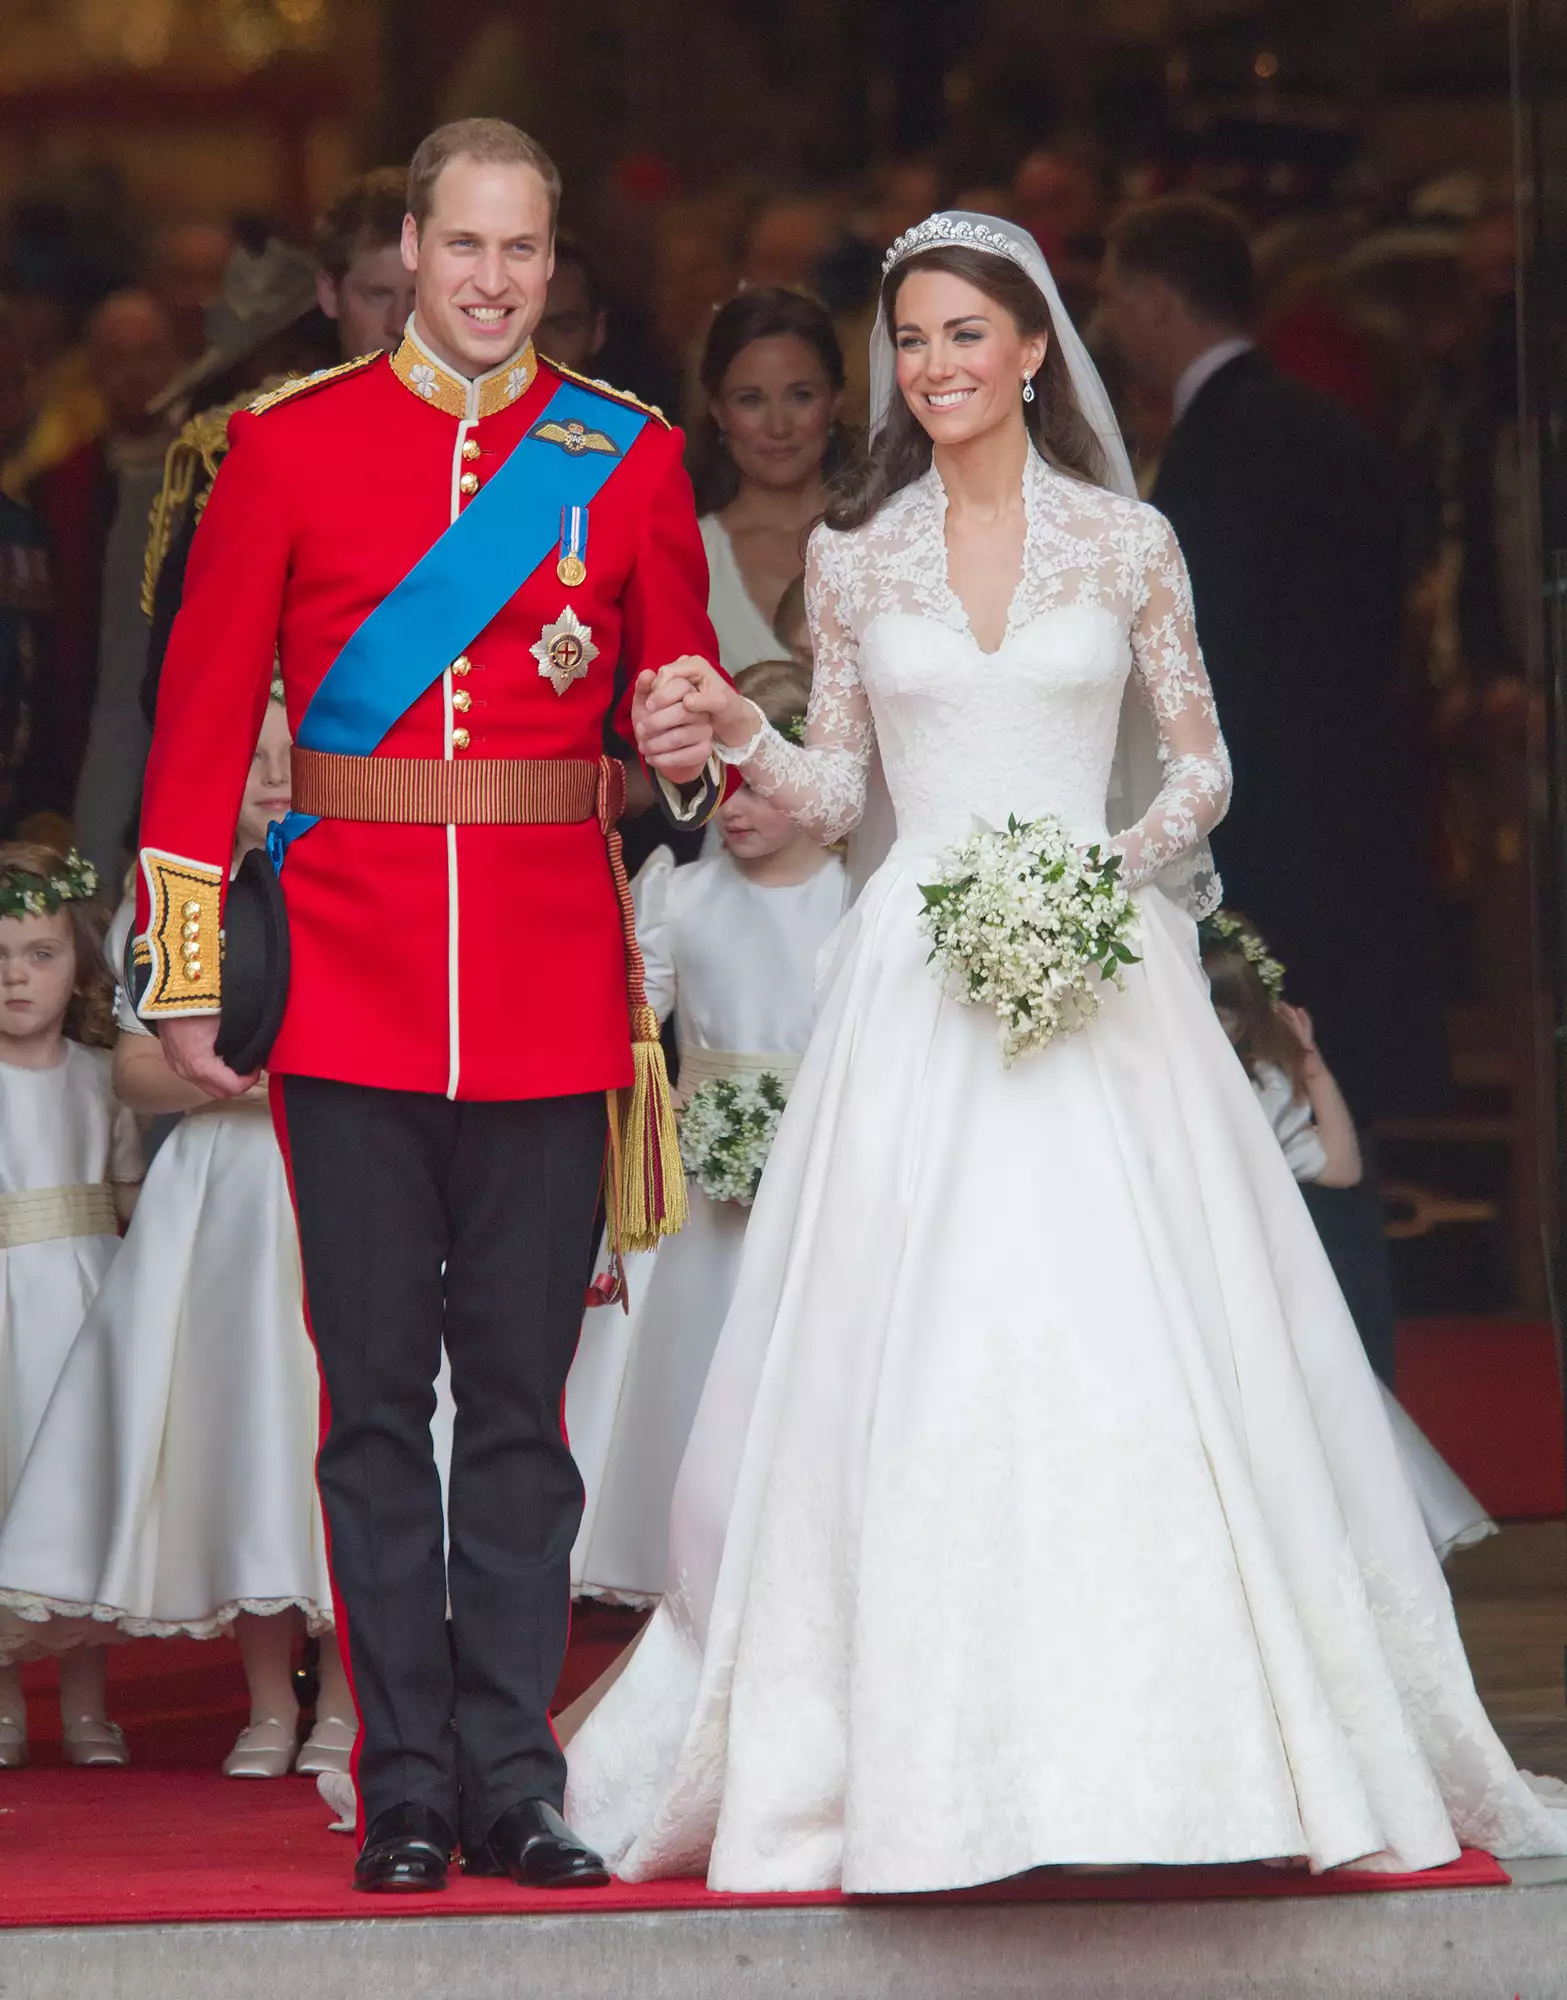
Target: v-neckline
{"x":965,"y":622}
{"x":737,"y":575}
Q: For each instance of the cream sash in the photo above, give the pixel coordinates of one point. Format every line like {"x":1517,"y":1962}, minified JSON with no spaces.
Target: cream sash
{"x":699,"y":1066}
{"x":44,"y":1215}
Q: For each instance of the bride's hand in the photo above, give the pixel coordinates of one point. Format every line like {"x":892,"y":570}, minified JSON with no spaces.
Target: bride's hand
{"x":691,"y":694}
{"x":735,"y":720}
{"x":672,"y":742}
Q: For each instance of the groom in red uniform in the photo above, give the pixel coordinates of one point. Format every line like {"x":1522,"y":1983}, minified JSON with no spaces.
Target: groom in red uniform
{"x":450,"y":552}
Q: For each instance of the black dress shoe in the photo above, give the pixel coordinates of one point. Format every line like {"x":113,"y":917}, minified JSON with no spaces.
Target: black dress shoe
{"x":407,"y":1848}
{"x":534,"y":1846}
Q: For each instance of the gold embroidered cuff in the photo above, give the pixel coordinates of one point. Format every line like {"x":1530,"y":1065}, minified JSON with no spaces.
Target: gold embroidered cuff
{"x":183,"y":938}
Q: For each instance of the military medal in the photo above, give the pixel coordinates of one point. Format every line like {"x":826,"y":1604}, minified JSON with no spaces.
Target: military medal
{"x":565,"y":650}
{"x":572,"y":568}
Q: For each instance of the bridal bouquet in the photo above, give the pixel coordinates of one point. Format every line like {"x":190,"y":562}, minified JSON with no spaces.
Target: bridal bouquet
{"x":1027,"y":923}
{"x":726,"y":1133}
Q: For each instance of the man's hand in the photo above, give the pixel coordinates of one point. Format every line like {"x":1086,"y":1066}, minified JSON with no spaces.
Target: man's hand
{"x":674,"y":743}
{"x":690,"y":702}
{"x":188,"y":1044}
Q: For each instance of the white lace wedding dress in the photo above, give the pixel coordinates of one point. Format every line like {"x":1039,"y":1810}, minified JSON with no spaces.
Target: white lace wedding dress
{"x":1041,"y":1506}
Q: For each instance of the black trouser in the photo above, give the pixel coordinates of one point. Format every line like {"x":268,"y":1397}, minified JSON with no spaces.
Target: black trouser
{"x":423,"y":1220}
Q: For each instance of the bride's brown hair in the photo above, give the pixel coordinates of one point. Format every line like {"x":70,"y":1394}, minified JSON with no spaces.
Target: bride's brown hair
{"x":901,"y":449}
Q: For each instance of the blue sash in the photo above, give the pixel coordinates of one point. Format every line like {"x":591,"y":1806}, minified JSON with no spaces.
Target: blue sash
{"x":459,"y":584}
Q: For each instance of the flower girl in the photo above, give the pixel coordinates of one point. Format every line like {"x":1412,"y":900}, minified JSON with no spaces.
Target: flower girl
{"x":69,"y":1160}
{"x":172,"y":1490}
{"x":1316,"y":1130}
{"x":731,"y":944}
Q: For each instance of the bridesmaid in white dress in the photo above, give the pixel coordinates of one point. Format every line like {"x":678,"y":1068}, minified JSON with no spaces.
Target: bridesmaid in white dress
{"x":171,"y":1489}
{"x":773,"y":375}
{"x":70,"y":1158}
{"x":730,"y":944}
{"x":1313,"y":1124}
{"x":1041,"y":1506}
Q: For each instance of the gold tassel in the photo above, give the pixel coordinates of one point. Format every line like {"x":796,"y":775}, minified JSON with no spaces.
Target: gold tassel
{"x":652,"y":1180}
{"x":646,"y":1198}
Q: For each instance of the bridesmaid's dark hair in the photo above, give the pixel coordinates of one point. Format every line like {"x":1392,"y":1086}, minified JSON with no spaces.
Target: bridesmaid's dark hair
{"x":901,"y":450}
{"x":763,"y":313}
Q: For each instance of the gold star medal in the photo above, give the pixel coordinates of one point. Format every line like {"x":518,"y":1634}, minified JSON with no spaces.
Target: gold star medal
{"x":572,"y":568}
{"x":565,"y":650}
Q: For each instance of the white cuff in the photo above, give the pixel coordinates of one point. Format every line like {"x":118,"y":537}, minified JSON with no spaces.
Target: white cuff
{"x":682,"y":809}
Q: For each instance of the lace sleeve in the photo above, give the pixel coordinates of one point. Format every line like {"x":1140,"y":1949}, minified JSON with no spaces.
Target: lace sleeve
{"x":1167,"y":664}
{"x":820,"y":784}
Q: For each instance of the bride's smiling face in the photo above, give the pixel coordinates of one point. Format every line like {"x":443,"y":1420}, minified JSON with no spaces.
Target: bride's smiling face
{"x":961,"y":360}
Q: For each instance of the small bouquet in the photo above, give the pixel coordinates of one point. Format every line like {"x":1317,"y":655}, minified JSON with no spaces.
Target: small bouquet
{"x":1026,"y":922}
{"x":727,"y":1131}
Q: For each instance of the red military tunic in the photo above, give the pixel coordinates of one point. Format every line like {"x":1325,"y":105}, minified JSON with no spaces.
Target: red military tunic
{"x":476,"y":961}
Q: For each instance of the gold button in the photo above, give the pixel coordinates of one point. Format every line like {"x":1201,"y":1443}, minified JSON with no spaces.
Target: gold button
{"x":462,"y":665}
{"x":191,"y":930}
{"x":469,"y":483}
{"x":460,"y":739}
{"x":193,"y":968}
{"x":462,"y":701}
{"x":191,"y":910}
{"x":190,"y":950}
{"x":470,"y":450}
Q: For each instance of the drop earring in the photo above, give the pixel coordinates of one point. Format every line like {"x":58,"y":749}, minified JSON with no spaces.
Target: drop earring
{"x":1028,"y":388}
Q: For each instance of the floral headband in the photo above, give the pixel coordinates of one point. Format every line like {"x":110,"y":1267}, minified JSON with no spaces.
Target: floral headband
{"x":24,"y":894}
{"x":1222,"y":928}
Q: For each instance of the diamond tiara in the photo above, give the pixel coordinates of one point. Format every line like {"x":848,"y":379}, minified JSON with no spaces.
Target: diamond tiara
{"x":941,"y":231}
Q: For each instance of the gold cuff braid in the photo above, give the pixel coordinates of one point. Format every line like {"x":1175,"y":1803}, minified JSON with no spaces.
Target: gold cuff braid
{"x":183,"y":935}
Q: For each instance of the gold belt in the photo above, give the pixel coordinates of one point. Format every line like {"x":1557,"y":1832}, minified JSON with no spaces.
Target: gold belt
{"x":479,"y":791}
{"x":43,"y":1215}
{"x":698,"y":1066}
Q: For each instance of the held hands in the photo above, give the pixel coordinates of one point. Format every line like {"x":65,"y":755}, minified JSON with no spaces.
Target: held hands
{"x":188,"y":1045}
{"x":678,"y":712}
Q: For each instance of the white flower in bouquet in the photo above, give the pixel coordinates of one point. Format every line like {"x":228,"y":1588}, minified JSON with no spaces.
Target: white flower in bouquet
{"x":1030,"y":924}
{"x":726,"y":1133}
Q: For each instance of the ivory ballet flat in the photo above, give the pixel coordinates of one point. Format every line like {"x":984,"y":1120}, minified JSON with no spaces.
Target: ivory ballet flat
{"x":93,"y":1743}
{"x":13,"y":1743}
{"x":264,"y":1750}
{"x":328,"y":1747}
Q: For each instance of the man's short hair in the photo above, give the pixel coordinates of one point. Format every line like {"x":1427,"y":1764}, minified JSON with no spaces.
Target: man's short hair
{"x":1197,"y":246}
{"x":572,"y":254}
{"x":365,"y":214}
{"x":493,"y":142}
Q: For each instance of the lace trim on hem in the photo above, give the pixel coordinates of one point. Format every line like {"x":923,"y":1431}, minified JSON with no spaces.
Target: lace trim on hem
{"x":632,"y":1600}
{"x":35,"y":1610}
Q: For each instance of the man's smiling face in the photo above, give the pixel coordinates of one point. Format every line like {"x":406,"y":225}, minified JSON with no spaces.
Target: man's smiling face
{"x":481,"y":263}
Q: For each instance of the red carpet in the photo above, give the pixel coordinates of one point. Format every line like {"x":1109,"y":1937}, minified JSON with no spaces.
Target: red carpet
{"x":137,"y":1846}
{"x":1488,"y":1395}
{"x":172,"y":1840}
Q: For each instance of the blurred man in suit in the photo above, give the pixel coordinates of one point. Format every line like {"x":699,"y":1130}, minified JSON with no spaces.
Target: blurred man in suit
{"x":1290,"y":515}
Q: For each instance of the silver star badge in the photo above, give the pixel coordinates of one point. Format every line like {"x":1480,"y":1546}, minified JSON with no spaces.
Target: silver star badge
{"x":565,"y":650}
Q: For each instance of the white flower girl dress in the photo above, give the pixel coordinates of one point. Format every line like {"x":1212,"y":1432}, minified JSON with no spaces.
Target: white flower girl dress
{"x":65,"y":1144}
{"x":1041,"y":1506}
{"x":172,"y":1481}
{"x":734,"y":961}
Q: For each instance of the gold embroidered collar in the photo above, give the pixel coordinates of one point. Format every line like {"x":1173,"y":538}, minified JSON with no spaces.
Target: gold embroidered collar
{"x":444,"y":389}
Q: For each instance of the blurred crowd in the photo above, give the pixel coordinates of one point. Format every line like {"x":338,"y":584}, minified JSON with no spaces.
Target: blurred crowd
{"x":118,"y":330}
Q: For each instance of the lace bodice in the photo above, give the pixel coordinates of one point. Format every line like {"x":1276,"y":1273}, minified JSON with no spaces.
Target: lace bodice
{"x":1029,"y":729}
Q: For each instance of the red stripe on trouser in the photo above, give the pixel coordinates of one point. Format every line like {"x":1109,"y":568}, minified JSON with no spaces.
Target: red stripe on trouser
{"x":280,"y":1126}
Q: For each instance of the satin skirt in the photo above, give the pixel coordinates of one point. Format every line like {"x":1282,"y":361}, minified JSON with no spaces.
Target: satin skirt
{"x":1041,"y":1506}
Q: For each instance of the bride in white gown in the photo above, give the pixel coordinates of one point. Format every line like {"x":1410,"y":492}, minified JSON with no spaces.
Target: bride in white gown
{"x":1041,"y":1507}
